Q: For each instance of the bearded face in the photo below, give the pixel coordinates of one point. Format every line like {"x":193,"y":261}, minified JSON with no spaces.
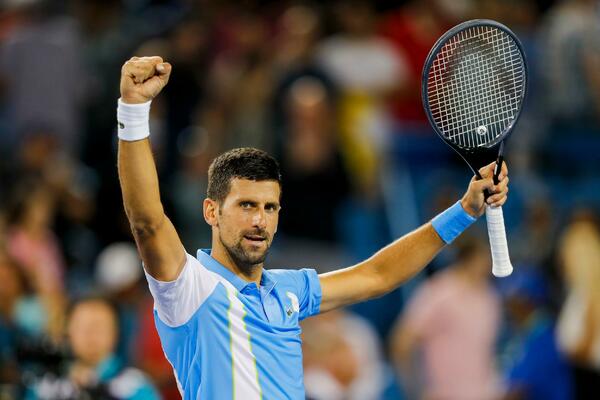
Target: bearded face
{"x":247,"y":221}
{"x":249,"y":250}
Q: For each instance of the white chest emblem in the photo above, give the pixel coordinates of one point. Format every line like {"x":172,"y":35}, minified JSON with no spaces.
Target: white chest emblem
{"x":295,"y":305}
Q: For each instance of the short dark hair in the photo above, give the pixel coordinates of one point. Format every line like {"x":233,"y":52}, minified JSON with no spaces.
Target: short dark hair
{"x":243,"y":163}
{"x":94,"y":298}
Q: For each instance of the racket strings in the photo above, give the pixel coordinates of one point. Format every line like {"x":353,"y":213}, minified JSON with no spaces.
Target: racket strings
{"x":480,"y":89}
{"x":474,"y":92}
{"x":476,"y":86}
{"x":474,"y":71}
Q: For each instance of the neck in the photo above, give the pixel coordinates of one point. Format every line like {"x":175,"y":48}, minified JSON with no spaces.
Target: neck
{"x":248,"y":273}
{"x":89,"y":364}
{"x":32,"y":230}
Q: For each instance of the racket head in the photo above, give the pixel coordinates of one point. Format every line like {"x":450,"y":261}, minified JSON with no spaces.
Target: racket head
{"x":474,"y":84}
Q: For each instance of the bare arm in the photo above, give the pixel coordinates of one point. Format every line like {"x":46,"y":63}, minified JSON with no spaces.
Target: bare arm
{"x":157,"y":241}
{"x":399,"y":261}
{"x":388,"y":268}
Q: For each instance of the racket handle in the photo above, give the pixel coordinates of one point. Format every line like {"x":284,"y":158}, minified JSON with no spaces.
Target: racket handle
{"x":501,"y":265}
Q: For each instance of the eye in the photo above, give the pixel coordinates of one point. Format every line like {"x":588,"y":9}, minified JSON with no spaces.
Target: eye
{"x":246,"y":205}
{"x":271,"y":207}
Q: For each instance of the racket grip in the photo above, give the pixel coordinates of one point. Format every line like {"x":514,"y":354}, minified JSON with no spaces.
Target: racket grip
{"x":501,"y":265}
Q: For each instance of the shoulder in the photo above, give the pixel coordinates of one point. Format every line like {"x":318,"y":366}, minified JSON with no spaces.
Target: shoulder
{"x":176,"y":301}
{"x":292,"y":276}
{"x":283,"y":273}
{"x":301,"y":282}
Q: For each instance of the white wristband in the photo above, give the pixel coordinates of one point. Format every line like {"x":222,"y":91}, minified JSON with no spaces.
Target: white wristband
{"x":133,"y":121}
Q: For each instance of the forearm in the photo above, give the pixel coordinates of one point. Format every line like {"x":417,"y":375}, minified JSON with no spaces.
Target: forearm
{"x":139,"y":183}
{"x":404,"y":258}
{"x":395,"y":263}
{"x":158,"y":242}
{"x":381,"y":273}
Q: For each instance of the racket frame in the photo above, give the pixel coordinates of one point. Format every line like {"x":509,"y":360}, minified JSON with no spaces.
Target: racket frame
{"x":480,"y":156}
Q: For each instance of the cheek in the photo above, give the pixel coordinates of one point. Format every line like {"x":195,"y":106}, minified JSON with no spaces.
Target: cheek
{"x":229,"y":225}
{"x":235,"y":220}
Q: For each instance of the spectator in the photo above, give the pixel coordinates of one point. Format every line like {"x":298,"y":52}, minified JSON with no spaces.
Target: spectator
{"x":12,"y":293}
{"x":240,"y":83}
{"x":454,"y":318}
{"x":187,"y":46}
{"x":571,"y":55}
{"x":311,"y":162}
{"x":342,"y":358}
{"x":47,"y":93}
{"x":413,"y":153}
{"x":366,"y":68}
{"x":533,"y":355}
{"x":188,"y":184}
{"x":150,"y":357}
{"x":33,"y":245}
{"x":118,"y":273}
{"x":95,"y":371}
{"x":579,"y":320}
{"x":413,"y":29}
{"x":298,"y":33}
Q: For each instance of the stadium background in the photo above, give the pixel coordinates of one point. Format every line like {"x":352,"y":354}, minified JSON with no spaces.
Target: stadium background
{"x":332,"y":89}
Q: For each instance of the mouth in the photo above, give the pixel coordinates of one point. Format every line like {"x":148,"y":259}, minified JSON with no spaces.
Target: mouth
{"x":255,"y":239}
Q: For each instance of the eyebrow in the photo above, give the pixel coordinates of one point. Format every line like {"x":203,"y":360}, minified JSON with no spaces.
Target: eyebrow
{"x":254,"y":202}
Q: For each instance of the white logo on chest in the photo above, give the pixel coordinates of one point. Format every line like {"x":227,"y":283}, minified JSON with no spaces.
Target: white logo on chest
{"x":295,"y":304}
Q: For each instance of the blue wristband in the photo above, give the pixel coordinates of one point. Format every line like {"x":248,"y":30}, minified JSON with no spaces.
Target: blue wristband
{"x":452,"y":222}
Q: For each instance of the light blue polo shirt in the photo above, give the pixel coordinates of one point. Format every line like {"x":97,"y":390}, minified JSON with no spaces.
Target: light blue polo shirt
{"x":229,"y":339}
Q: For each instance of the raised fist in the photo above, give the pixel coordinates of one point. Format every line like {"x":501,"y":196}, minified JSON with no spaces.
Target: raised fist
{"x":142,"y":78}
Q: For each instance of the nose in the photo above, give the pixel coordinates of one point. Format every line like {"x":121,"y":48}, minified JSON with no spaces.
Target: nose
{"x":259,"y":219}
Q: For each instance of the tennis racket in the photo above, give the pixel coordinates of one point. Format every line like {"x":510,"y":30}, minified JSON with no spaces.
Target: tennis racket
{"x":473,"y":86}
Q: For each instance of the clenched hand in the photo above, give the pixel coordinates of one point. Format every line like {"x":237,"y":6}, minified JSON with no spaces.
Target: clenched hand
{"x":142,"y":79}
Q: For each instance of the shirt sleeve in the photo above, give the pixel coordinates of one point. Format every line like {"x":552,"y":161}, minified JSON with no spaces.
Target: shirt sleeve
{"x":176,"y":301}
{"x":309,"y":289}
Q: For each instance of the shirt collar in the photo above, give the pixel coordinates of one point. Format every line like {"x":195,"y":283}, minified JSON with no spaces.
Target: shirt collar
{"x":267,"y":281}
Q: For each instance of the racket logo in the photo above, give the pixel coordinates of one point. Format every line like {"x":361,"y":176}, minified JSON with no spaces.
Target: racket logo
{"x":481,"y":130}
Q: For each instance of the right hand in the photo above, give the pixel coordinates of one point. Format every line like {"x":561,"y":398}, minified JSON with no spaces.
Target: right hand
{"x":474,"y":200}
{"x":142,"y":79}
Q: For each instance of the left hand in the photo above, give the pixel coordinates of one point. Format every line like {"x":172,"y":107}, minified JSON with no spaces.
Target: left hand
{"x":474,"y":201}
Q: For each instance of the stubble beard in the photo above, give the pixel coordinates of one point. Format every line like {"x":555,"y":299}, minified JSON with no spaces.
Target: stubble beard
{"x":245,"y":262}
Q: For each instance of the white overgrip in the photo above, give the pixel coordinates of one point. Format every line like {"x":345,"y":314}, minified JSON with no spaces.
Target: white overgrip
{"x":501,"y":265}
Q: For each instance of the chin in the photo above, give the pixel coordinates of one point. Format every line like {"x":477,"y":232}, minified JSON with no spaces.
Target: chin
{"x":254,"y":252}
{"x":256,"y":259}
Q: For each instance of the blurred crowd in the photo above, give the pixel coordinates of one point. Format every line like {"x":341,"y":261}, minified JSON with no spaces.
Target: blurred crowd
{"x":332,"y":89}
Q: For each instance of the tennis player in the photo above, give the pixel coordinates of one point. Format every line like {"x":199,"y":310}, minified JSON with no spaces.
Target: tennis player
{"x":229,"y":327}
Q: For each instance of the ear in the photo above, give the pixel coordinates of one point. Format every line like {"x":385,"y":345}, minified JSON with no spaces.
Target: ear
{"x":210,"y":210}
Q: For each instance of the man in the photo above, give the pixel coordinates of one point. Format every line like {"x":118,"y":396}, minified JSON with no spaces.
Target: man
{"x":229,"y":327}
{"x":532,"y":355}
{"x":95,"y":372}
{"x":453,"y":319}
